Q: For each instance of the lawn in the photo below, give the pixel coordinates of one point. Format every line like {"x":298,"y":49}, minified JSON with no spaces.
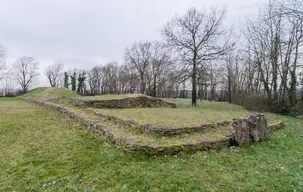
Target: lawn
{"x":141,"y":138}
{"x":43,"y":151}
{"x":183,"y":116}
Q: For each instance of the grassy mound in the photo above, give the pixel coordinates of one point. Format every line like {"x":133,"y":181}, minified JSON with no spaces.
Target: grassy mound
{"x":103,"y":101}
{"x":51,"y":92}
{"x":113,"y":96}
{"x":123,"y":102}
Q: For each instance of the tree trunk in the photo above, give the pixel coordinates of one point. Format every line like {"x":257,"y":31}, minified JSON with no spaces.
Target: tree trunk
{"x":142,"y":85}
{"x":229,"y":89}
{"x":155,"y":86}
{"x":194,"y":86}
{"x":24,"y":89}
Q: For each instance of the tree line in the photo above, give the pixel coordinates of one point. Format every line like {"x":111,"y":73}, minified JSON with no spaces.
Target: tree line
{"x":264,"y":68}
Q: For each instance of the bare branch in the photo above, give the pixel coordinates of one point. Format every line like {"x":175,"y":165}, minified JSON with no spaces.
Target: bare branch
{"x":25,"y":71}
{"x":53,"y":73}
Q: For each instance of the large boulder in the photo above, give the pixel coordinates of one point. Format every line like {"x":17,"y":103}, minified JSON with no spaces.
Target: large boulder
{"x":244,"y":131}
{"x":240,"y":132}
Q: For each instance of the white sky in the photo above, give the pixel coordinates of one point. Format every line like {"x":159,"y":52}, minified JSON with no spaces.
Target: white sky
{"x":85,"y":33}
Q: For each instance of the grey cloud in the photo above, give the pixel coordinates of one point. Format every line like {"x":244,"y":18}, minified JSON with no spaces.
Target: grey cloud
{"x":84,"y":33}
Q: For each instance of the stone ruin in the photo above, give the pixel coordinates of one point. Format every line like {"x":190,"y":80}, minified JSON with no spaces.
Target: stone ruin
{"x":244,"y":131}
{"x":136,"y":102}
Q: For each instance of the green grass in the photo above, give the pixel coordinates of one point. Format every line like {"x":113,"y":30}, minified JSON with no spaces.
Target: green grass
{"x":137,"y":137}
{"x":183,"y":116}
{"x":6,"y":99}
{"x":42,"y":151}
{"x":112,"y":97}
{"x":50,"y":92}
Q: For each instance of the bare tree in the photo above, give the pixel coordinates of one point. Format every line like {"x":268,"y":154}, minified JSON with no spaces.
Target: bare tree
{"x":239,"y":74}
{"x":3,"y":67}
{"x":94,"y":80}
{"x":160,"y":60}
{"x":26,"y":72}
{"x":53,"y":73}
{"x":61,"y":80}
{"x":195,"y":36}
{"x":110,"y":78}
{"x":128,"y":79}
{"x":139,"y":56}
{"x":276,"y":40}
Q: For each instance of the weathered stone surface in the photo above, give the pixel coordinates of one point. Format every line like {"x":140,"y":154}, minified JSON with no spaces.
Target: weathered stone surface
{"x":252,"y":120}
{"x":222,"y":123}
{"x":276,"y":126}
{"x":258,"y":127}
{"x":262,"y":127}
{"x":240,"y":131}
{"x":244,"y":131}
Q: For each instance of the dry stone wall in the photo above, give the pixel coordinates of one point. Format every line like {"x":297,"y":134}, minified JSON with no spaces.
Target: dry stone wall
{"x":128,"y":145}
{"x":137,"y":102}
{"x":163,"y":131}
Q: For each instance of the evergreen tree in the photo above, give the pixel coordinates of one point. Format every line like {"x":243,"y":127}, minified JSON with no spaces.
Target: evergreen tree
{"x":74,"y":81}
{"x":81,"y":83}
{"x":66,"y":80}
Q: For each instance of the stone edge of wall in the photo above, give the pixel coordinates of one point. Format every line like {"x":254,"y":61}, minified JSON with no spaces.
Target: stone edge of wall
{"x":276,"y":126}
{"x":162,"y":131}
{"x":128,"y":145}
{"x":168,"y":131}
{"x":136,"y":102}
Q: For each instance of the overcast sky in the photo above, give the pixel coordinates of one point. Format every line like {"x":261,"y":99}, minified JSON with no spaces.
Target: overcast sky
{"x":84,"y":33}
